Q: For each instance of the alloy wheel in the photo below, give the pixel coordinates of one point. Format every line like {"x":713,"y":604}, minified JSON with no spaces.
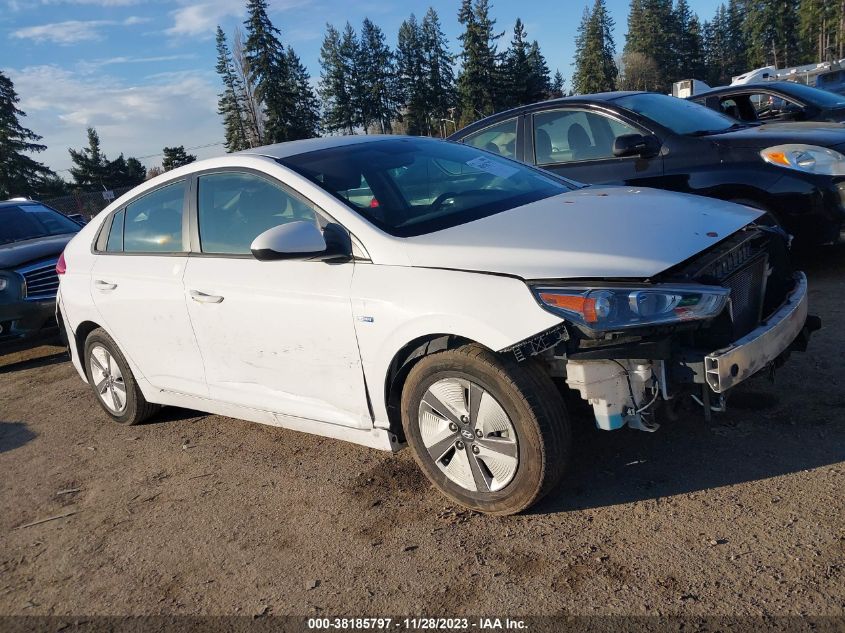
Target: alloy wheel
{"x":107,"y":379}
{"x":468,"y":435}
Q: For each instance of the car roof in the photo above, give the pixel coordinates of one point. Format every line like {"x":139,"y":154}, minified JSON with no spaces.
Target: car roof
{"x":760,"y":85}
{"x":294,"y":148}
{"x":16,"y":202}
{"x":539,"y":105}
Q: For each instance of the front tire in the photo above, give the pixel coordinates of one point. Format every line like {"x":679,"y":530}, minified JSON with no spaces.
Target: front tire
{"x":113,"y":382}
{"x":490,"y":434}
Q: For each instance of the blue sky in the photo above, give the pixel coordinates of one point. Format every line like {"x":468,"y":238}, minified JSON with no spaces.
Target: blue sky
{"x":142,"y":71}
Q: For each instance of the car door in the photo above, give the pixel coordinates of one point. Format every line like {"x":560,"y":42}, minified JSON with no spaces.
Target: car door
{"x":136,"y":285}
{"x":577,"y":143}
{"x":275,"y":335}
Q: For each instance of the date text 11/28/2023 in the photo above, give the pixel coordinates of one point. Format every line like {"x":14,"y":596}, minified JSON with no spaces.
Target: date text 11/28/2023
{"x":417,"y":624}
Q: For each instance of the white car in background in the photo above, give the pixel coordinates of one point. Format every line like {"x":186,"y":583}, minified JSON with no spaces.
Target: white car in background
{"x":395,"y":290}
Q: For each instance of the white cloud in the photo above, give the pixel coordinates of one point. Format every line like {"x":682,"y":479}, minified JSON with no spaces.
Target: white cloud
{"x":96,"y":64}
{"x":20,"y":5}
{"x":200,"y":19}
{"x":138,"y":120}
{"x":71,"y":31}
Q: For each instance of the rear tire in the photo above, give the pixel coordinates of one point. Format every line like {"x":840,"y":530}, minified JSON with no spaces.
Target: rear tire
{"x":490,"y":434}
{"x":113,"y":383}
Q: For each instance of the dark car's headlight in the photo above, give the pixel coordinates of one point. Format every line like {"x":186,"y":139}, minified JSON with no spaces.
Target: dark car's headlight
{"x":808,"y":158}
{"x":617,"y":308}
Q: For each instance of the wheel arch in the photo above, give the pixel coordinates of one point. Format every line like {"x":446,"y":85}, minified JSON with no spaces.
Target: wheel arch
{"x":404,"y":359}
{"x":80,"y":336}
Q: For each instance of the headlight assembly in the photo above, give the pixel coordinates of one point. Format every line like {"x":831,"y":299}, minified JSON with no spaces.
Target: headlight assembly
{"x":608,"y":309}
{"x":808,"y":158}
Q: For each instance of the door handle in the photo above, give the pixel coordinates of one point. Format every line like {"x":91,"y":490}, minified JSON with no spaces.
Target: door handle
{"x":202,"y":297}
{"x":104,"y":286}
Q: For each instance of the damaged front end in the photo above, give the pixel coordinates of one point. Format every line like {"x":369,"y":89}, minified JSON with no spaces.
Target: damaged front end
{"x":694,"y":331}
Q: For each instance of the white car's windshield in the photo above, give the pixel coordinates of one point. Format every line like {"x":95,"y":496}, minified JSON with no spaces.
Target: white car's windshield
{"x":679,"y":115}
{"x":409,"y":186}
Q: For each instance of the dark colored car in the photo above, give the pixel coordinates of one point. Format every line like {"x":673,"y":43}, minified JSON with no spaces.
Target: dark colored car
{"x":32,"y":237}
{"x":774,"y":101}
{"x":795,"y":171}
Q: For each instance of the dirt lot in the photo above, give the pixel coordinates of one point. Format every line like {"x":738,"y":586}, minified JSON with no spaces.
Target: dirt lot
{"x":196,"y":514}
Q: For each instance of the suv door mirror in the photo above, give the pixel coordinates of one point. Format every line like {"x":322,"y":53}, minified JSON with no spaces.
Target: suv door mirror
{"x":294,"y":240}
{"x":636,"y":145}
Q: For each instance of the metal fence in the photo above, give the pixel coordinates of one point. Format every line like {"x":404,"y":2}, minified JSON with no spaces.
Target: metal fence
{"x":86,"y":203}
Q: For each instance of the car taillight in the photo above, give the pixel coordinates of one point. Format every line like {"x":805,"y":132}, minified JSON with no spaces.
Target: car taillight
{"x":61,"y":266}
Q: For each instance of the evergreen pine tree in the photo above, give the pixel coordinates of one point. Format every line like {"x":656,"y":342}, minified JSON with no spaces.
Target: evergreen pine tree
{"x":136,"y":173}
{"x":336,"y":88}
{"x":229,"y":101}
{"x":90,"y":166}
{"x":772,"y":27}
{"x":350,"y":55}
{"x":689,"y":62}
{"x":557,"y":89}
{"x":821,"y":29}
{"x":517,"y":70}
{"x":595,"y":68}
{"x":377,"y":77}
{"x":539,"y":84}
{"x":305,"y":118}
{"x":437,"y":69}
{"x":479,"y":77}
{"x":652,"y":32}
{"x":411,"y":76}
{"x":20,"y":175}
{"x":268,"y":67}
{"x":176,"y":157}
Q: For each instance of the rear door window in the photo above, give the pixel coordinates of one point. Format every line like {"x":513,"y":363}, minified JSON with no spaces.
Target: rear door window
{"x":499,"y":139}
{"x":153,"y":223}
{"x":115,"y":241}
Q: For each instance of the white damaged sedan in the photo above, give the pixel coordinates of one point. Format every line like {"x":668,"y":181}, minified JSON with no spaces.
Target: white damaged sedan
{"x":396,"y":291}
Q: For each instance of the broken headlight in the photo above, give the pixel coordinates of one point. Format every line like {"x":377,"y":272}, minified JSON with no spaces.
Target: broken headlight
{"x":617,"y":308}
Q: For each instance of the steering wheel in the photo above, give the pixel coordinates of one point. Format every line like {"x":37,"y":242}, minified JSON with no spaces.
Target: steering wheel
{"x":443,"y":197}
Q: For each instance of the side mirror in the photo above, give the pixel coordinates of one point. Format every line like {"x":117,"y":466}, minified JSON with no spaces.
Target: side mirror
{"x":636,"y":145}
{"x":303,"y":240}
{"x":294,"y":240}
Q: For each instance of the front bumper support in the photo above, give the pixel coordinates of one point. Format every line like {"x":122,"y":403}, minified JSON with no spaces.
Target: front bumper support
{"x":727,"y":367}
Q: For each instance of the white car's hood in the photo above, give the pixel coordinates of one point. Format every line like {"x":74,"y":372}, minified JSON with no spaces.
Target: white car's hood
{"x":595,"y":232}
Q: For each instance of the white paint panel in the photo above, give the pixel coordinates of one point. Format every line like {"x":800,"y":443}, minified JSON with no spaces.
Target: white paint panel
{"x":281,"y":339}
{"x":146,"y":314}
{"x":590,"y":233}
{"x":394,"y":305}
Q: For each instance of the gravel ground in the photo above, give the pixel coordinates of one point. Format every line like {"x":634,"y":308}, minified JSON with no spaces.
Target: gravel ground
{"x":200,"y":514}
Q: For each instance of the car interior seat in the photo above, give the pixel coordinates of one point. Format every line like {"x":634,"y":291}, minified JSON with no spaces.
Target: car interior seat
{"x":579,"y":142}
{"x":542,"y":147}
